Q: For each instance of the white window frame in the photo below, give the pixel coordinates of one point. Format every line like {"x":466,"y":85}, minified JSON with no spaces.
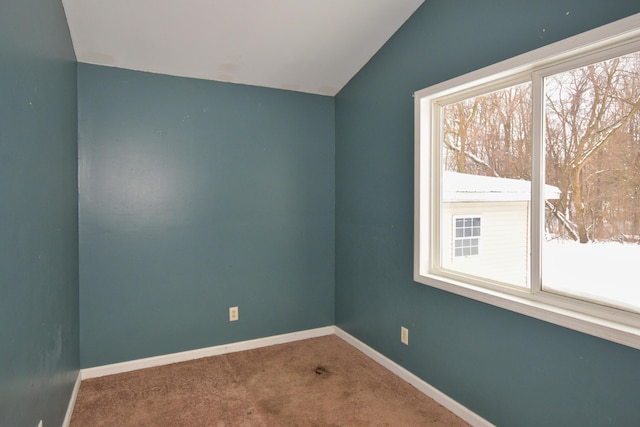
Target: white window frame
{"x":605,"y":322}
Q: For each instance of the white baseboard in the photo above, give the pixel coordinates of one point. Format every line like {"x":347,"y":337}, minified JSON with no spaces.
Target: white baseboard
{"x":455,"y":407}
{"x":72,"y":401}
{"x":424,"y":387}
{"x":184,"y":356}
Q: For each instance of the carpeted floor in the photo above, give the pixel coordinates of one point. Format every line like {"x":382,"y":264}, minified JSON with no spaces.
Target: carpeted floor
{"x":317,"y":382}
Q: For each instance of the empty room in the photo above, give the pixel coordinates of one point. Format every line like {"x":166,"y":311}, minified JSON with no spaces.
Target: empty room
{"x":328,"y":200}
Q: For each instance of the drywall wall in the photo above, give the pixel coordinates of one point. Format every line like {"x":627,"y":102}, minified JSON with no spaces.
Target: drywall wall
{"x":38,"y":214}
{"x":508,"y":368}
{"x":196,"y":196}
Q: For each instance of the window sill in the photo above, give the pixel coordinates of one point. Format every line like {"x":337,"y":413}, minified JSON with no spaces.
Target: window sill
{"x":621,"y":333}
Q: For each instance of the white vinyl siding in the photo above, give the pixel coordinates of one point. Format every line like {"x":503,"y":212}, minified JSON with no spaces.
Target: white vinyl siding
{"x":503,"y":251}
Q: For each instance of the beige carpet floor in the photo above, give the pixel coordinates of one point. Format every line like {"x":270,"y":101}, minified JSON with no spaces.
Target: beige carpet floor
{"x":316,"y":382}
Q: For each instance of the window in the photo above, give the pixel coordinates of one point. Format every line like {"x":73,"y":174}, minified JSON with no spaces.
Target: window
{"x":467,"y":234}
{"x":528,"y":183}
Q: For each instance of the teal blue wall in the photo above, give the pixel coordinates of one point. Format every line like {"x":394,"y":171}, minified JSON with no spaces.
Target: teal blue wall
{"x":38,"y":214}
{"x":196,"y":196}
{"x":513,"y":370}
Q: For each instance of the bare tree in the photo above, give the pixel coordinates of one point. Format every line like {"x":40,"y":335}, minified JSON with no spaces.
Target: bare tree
{"x":587,"y":108}
{"x":592,"y":145}
{"x":490,"y":134}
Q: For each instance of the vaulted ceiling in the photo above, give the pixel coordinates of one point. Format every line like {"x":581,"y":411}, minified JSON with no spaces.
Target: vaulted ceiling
{"x":313,"y":46}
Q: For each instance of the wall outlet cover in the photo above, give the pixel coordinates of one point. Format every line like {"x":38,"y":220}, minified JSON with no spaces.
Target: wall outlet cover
{"x":233,"y":314}
{"x":404,"y":335}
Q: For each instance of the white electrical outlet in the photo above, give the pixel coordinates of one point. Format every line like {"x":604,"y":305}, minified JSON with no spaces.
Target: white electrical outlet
{"x":233,"y":313}
{"x":404,"y":335}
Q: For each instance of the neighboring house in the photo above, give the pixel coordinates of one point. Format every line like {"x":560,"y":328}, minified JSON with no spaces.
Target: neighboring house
{"x":485,"y":223}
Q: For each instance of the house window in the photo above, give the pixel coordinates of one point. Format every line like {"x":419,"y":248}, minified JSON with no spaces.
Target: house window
{"x":547,"y":147}
{"x":467,"y":240}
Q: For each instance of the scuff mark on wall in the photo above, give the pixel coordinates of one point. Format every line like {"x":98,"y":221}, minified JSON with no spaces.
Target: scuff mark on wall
{"x":53,"y":354}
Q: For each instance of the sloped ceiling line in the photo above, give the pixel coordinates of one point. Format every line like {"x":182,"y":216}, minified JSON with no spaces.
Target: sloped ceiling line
{"x":313,"y":46}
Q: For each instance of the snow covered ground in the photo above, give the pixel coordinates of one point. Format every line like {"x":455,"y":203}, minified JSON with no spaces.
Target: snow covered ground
{"x":608,"y":271}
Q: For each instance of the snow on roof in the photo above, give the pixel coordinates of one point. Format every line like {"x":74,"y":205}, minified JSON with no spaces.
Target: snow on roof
{"x":465,"y":187}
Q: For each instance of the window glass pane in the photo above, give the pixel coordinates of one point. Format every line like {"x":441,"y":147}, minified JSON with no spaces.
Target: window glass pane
{"x":486,"y":172}
{"x":592,"y":143}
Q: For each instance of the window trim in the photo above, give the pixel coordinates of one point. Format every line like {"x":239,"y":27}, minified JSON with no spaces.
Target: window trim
{"x":604,"y":322}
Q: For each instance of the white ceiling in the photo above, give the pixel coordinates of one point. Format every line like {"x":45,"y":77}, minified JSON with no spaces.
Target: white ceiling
{"x":313,"y":46}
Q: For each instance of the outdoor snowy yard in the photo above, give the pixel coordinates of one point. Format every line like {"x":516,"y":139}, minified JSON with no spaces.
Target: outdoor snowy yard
{"x":603,"y":271}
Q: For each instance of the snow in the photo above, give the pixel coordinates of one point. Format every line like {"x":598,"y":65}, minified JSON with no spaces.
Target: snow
{"x":467,"y":187}
{"x":607,"y":271}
